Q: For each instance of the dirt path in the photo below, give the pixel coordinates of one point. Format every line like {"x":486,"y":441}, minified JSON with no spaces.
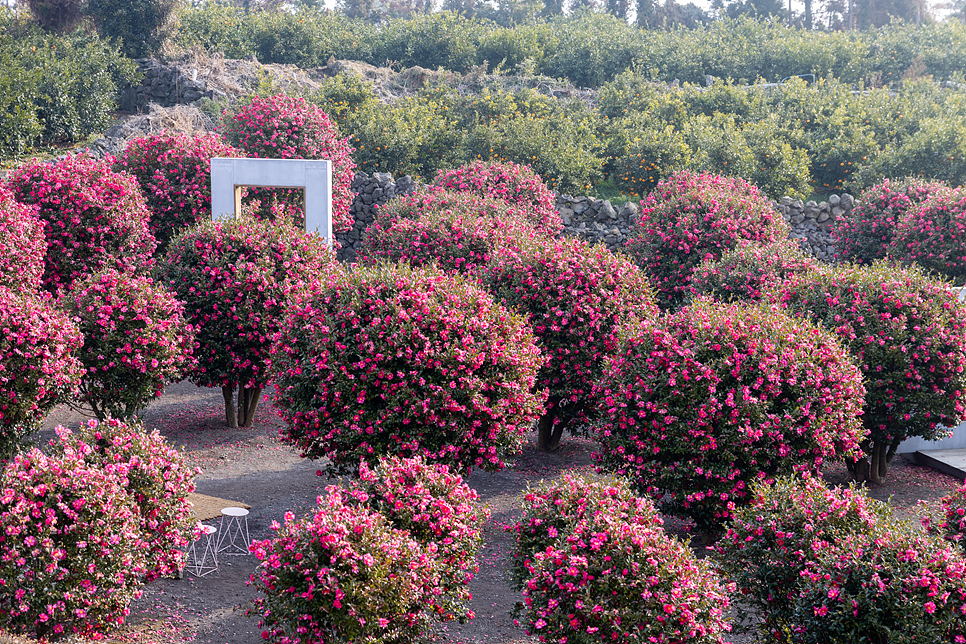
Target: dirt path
{"x":254,"y":467}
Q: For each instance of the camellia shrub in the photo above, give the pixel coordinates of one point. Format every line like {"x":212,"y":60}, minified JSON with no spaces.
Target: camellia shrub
{"x":691,"y":218}
{"x":596,"y":567}
{"x":38,"y":367}
{"x":907,"y":333}
{"x":441,"y":512}
{"x":934,"y":235}
{"x":174,"y":171}
{"x":697,"y":407}
{"x":136,"y":341}
{"x":573,"y":295}
{"x":391,"y":360}
{"x":94,"y":218}
{"x":820,"y":565}
{"x":456,"y":239}
{"x":286,"y":127}
{"x":515,"y":184}
{"x":71,"y":552}
{"x":952,"y":523}
{"x":154,"y":475}
{"x":866,"y":235}
{"x":232,"y":277}
{"x":342,"y":575}
{"x":750,"y":271}
{"x":22,"y":245}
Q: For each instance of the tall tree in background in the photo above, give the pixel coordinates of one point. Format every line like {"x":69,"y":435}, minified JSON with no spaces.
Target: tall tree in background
{"x":651,"y":15}
{"x":57,"y":16}
{"x":465,"y":8}
{"x":555,"y":8}
{"x":618,"y":8}
{"x":510,"y":12}
{"x":356,"y":8}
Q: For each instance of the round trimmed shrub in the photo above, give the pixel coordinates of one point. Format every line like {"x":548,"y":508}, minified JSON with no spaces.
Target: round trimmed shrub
{"x":94,"y":218}
{"x":696,"y":408}
{"x":232,"y":277}
{"x":934,"y":235}
{"x":573,"y":295}
{"x":456,"y":239}
{"x":907,"y":333}
{"x":516,"y":184}
{"x":71,"y":554}
{"x":136,"y":341}
{"x":155,"y":476}
{"x":38,"y":367}
{"x":391,"y":360}
{"x":749,"y":271}
{"x":820,"y":565}
{"x":342,"y":575}
{"x":610,"y":575}
{"x":866,"y":235}
{"x":174,"y":171}
{"x":286,"y":127}
{"x":22,"y":245}
{"x":692,"y":218}
{"x":441,"y":512}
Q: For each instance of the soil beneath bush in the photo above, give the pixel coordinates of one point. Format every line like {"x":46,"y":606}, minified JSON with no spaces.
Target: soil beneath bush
{"x":253,"y":466}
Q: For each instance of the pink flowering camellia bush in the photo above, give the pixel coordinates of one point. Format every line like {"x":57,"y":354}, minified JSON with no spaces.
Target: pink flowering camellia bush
{"x":820,"y":566}
{"x":154,"y":475}
{"x":391,"y":360}
{"x":71,"y":554}
{"x":952,"y":523}
{"x":866,"y":235}
{"x":174,"y":171}
{"x":609,"y":573}
{"x":94,"y":218}
{"x":136,"y":341}
{"x":285,"y":127}
{"x":934,"y":235}
{"x":574,"y":295}
{"x":697,"y":407}
{"x":907,"y":333}
{"x":691,"y":218}
{"x":38,"y":367}
{"x":459,"y":237}
{"x":343,"y":575}
{"x":515,"y":184}
{"x":749,"y":271}
{"x":22,"y":245}
{"x":441,"y":512}
{"x":233,"y":277}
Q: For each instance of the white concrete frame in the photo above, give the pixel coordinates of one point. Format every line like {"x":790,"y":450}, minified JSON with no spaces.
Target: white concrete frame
{"x":314,"y":177}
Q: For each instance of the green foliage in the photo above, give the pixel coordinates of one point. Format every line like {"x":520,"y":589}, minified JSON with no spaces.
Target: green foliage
{"x":434,"y":40}
{"x":142,"y":26}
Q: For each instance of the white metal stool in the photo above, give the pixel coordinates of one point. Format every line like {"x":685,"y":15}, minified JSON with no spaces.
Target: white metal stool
{"x":206,"y":562}
{"x":234,"y":539}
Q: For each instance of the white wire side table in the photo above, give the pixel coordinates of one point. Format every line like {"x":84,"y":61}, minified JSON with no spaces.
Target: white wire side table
{"x":233,"y":538}
{"x":202,"y":555}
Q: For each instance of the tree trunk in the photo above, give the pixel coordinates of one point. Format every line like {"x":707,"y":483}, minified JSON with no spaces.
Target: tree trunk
{"x":873,"y":467}
{"x":230,"y":417}
{"x":550,"y":427}
{"x":247,"y":404}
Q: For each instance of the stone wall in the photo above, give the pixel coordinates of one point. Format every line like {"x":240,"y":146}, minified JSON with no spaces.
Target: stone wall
{"x":812,"y":222}
{"x":371,"y":192}
{"x":164,"y":85}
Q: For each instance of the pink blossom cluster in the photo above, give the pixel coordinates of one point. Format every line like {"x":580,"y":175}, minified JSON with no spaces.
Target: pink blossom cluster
{"x":749,"y":271}
{"x":574,"y":295}
{"x":72,"y":555}
{"x":609,"y":573}
{"x":391,"y":360}
{"x":952,"y":525}
{"x":22,"y":245}
{"x":690,"y":218}
{"x":372,"y":564}
{"x":867,"y":233}
{"x":94,"y":218}
{"x":286,"y":127}
{"x":515,"y":184}
{"x":934,"y":235}
{"x":905,"y":330}
{"x":457,"y":231}
{"x":820,"y":565}
{"x":232,"y":277}
{"x":174,"y":171}
{"x":698,"y":406}
{"x":38,"y":367}
{"x":440,"y":511}
{"x":153,"y":474}
{"x":136,"y":341}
